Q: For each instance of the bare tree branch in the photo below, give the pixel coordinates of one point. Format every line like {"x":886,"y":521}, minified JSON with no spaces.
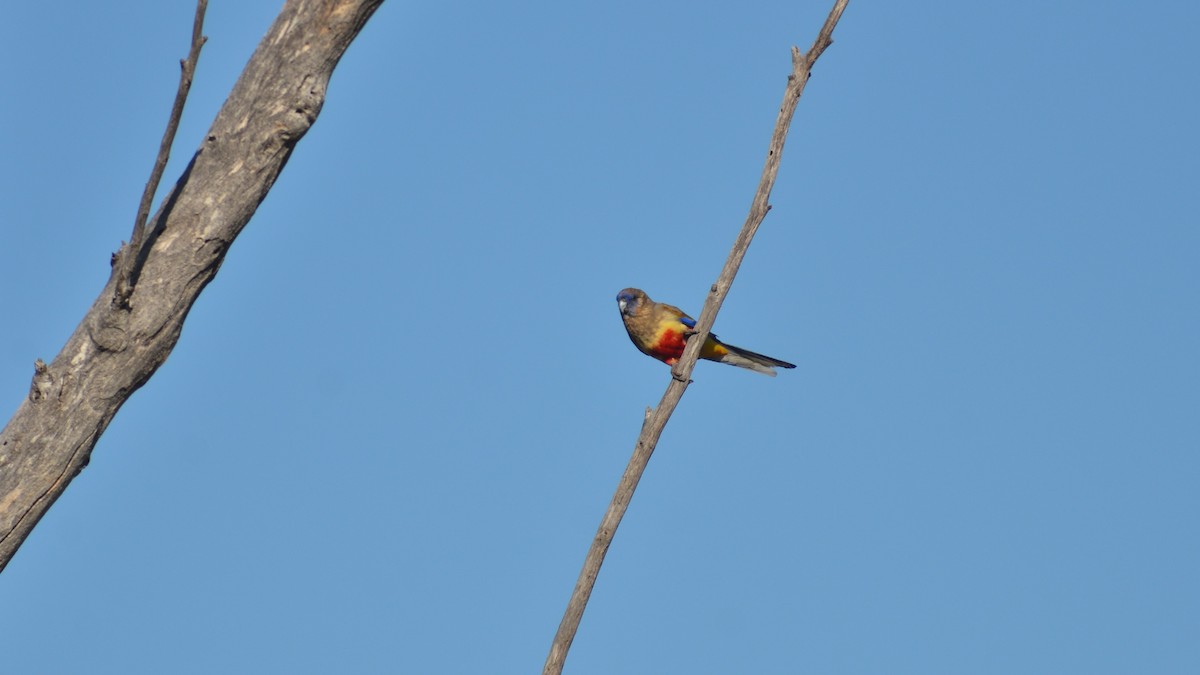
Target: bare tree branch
{"x":129,"y":259}
{"x":118,"y":346}
{"x":681,"y":373}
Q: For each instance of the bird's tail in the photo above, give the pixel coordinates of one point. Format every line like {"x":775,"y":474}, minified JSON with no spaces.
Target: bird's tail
{"x":744,"y":358}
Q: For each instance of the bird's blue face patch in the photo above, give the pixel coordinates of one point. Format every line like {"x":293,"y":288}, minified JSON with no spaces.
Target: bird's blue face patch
{"x":627,"y":302}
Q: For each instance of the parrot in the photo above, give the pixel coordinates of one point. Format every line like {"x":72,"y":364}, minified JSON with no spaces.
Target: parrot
{"x":659,"y":330}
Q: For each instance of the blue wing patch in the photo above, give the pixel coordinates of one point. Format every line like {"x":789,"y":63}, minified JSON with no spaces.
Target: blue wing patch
{"x":689,"y":322}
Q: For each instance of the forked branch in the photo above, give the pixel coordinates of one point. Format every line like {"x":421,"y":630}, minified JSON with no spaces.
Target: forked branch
{"x":135,"y":322}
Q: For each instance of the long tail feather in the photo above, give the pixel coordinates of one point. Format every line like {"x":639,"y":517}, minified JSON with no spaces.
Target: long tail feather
{"x":759,"y":363}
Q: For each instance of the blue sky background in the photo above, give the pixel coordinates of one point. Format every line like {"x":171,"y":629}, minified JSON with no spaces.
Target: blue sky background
{"x":396,"y":417}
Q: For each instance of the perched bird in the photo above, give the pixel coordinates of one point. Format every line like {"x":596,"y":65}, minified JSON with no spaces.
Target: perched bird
{"x":660,"y":330}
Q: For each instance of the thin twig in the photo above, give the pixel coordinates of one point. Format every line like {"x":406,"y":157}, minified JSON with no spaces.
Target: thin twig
{"x":128,"y":261}
{"x":681,"y":373}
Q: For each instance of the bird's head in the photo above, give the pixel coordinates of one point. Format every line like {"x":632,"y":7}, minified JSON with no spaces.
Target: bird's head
{"x":630,"y":299}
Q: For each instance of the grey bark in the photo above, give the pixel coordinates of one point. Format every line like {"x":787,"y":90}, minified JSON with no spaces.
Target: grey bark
{"x":122,"y":341}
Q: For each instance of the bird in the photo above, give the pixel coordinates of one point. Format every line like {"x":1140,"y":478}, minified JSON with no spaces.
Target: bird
{"x":660,"y":330}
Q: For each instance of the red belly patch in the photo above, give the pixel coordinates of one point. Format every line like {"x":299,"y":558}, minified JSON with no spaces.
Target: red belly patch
{"x":669,"y":347}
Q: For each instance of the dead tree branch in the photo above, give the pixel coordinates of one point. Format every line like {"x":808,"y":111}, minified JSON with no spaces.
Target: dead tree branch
{"x":119,"y":345}
{"x":656,"y":420}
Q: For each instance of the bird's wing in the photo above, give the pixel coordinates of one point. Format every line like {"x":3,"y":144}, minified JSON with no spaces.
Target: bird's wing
{"x":671,"y":312}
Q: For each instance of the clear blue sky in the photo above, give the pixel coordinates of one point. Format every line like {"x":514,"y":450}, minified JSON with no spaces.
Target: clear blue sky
{"x":394,"y":420}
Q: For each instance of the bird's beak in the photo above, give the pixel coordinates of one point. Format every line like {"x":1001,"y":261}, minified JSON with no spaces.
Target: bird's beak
{"x":621,"y":303}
